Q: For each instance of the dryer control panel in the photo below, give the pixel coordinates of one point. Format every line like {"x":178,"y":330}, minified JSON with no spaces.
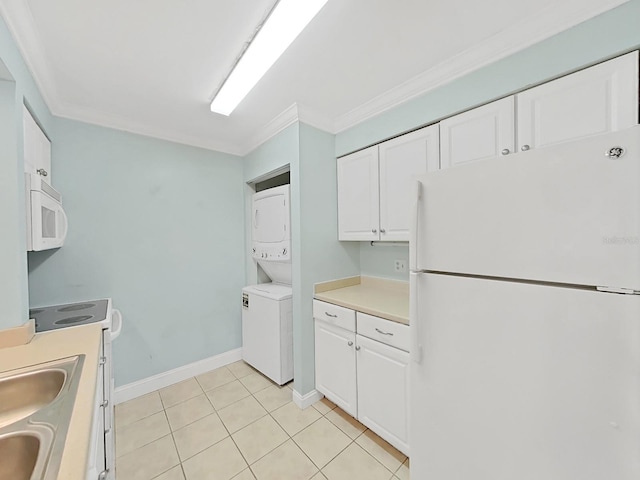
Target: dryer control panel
{"x":279,"y":253}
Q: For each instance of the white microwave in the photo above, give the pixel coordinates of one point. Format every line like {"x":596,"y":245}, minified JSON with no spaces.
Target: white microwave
{"x":46,"y":221}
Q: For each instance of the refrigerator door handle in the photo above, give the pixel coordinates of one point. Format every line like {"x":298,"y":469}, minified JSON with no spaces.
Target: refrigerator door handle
{"x":413,"y":239}
{"x":414,"y":322}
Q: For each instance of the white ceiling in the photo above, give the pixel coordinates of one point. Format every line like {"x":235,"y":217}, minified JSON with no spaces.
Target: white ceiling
{"x":152,"y":66}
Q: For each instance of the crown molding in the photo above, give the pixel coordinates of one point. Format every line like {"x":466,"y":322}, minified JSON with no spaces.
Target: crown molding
{"x":315,"y":119}
{"x":19,"y":20}
{"x":530,"y":31}
{"x":117,"y":122}
{"x":295,"y":113}
{"x":281,"y":121}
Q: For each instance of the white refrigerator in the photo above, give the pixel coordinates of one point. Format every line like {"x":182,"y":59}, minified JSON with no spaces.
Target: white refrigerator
{"x":525,"y":316}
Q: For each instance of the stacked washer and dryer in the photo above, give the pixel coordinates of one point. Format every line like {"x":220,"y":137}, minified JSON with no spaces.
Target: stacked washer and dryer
{"x":267,"y":321}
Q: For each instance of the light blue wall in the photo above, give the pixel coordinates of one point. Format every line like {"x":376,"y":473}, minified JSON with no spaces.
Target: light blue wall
{"x":316,"y":253}
{"x":158,"y":227}
{"x":379,"y":260}
{"x":320,"y":256}
{"x":12,"y":238}
{"x":13,"y":257}
{"x":604,"y":36}
{"x":155,"y":225}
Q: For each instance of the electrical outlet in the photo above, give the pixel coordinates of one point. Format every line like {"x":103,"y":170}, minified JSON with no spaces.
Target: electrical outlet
{"x":401,"y":266}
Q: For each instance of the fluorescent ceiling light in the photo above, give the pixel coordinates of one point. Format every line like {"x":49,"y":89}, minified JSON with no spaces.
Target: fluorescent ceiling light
{"x":286,"y":21}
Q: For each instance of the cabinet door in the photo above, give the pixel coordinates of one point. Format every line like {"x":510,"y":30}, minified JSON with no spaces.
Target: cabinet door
{"x":336,"y":365}
{"x":383,"y":391}
{"x":596,"y":100}
{"x":358,"y":201}
{"x":483,"y":132}
{"x":400,"y":159}
{"x":37,"y":147}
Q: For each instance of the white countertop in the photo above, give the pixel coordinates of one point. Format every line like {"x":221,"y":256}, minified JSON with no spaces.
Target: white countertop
{"x":381,"y":297}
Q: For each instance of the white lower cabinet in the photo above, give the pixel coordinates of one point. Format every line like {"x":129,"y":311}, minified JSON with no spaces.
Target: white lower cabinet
{"x":383,"y":391}
{"x":335,"y":365}
{"x":366,"y":377}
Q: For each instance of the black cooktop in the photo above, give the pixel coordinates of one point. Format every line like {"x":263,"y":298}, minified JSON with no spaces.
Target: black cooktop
{"x":69,"y":314}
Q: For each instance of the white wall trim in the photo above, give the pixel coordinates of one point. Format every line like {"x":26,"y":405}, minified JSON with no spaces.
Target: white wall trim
{"x":295,"y":113}
{"x":281,"y":121}
{"x":315,"y":119}
{"x":19,"y":19}
{"x":95,"y":117}
{"x":304,"y":401}
{"x":161,"y":380}
{"x":530,"y":31}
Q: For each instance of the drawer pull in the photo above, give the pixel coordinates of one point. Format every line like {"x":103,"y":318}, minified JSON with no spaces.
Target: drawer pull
{"x":330,"y":315}
{"x":383,"y":333}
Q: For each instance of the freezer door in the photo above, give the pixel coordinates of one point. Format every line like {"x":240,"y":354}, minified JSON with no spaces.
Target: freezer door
{"x":565,"y":214}
{"x":522,"y":381}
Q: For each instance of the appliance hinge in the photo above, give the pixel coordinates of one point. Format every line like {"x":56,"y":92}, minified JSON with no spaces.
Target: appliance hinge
{"x":624,"y":291}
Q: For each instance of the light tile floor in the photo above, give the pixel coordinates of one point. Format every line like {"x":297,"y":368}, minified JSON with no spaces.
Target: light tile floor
{"x":234,"y":423}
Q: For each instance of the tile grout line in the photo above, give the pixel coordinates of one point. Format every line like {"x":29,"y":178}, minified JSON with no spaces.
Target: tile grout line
{"x":229,"y":436}
{"x":333,"y":458}
{"x":267,"y":414}
{"x":172,"y":439}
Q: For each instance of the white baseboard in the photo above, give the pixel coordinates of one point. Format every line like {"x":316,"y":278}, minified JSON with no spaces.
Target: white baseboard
{"x":304,"y":401}
{"x":151,"y":384}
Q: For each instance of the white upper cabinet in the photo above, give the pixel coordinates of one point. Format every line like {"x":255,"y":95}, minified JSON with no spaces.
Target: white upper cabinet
{"x":358,"y":197}
{"x":37,"y":147}
{"x":483,"y":132}
{"x":400,"y":159}
{"x":599,"y":99}
{"x":596,"y":100}
{"x":374,"y":186}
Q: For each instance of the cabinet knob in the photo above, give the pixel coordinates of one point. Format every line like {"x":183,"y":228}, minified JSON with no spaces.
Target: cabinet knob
{"x":374,"y":230}
{"x":350,"y":343}
{"x":382,"y":230}
{"x":104,"y":404}
{"x":42,"y":172}
{"x":358,"y":347}
{"x":505,"y":151}
{"x":103,"y":474}
{"x":524,"y":148}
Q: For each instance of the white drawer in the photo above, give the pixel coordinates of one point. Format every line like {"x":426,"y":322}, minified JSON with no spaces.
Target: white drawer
{"x":385,"y":331}
{"x":335,"y":315}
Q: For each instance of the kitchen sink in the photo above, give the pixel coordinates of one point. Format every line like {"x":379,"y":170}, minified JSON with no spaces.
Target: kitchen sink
{"x":19,"y":454}
{"x":36,"y":404}
{"x":23,"y":394}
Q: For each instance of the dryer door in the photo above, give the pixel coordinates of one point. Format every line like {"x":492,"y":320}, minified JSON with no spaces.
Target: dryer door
{"x":270,"y":219}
